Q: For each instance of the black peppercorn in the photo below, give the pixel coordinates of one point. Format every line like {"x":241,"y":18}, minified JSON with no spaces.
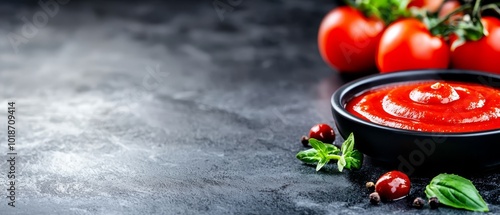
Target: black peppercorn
{"x":305,"y":141}
{"x":370,"y":186}
{"x":374,"y":198}
{"x":418,"y":203}
{"x":434,"y":202}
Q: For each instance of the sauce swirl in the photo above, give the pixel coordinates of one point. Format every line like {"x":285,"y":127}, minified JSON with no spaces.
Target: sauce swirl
{"x":431,"y":106}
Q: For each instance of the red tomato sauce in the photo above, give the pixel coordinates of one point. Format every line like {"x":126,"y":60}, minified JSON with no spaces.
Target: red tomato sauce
{"x":432,"y":106}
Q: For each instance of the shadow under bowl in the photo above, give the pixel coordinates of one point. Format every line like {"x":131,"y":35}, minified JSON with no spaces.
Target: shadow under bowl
{"x":411,"y":151}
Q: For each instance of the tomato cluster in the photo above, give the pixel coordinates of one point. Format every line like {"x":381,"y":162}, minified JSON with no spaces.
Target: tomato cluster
{"x":351,"y":42}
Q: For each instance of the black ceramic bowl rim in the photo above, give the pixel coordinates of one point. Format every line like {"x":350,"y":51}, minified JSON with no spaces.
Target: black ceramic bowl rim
{"x":338,"y":96}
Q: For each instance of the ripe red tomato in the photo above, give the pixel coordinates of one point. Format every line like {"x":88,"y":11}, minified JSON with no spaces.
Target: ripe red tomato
{"x":483,"y":54}
{"x":323,"y":133}
{"x":348,"y":40}
{"x":430,"y":5}
{"x":407,"y":44}
{"x":393,"y":185}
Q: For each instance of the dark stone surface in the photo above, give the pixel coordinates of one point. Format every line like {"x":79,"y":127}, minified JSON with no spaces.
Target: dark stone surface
{"x":164,"y":108}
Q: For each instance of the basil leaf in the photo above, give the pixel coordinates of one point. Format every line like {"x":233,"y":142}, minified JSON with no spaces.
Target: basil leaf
{"x":456,"y":191}
{"x":348,"y":144}
{"x":332,"y":150}
{"x":322,"y":163}
{"x":309,"y":156}
{"x":341,"y":163}
{"x":353,"y":159}
{"x":322,"y":153}
{"x":318,"y":145}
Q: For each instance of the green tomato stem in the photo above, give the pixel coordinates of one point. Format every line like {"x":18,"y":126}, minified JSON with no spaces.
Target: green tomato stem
{"x":493,"y":6}
{"x":476,"y":11}
{"x":448,"y":16}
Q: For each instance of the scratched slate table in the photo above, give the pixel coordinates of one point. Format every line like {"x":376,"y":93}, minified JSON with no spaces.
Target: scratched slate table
{"x":175,"y":108}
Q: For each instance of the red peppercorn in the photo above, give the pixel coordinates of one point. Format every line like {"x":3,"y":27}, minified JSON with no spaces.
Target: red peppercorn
{"x":323,"y":133}
{"x":393,"y":185}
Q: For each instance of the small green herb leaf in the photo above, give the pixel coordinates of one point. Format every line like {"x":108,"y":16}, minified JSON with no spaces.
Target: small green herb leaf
{"x":318,"y":154}
{"x":309,"y":156}
{"x":348,"y":144}
{"x":332,"y":150}
{"x":353,"y":159}
{"x":341,"y":163}
{"x":322,"y":163}
{"x":319,"y":146}
{"x":322,"y":153}
{"x":456,"y":191}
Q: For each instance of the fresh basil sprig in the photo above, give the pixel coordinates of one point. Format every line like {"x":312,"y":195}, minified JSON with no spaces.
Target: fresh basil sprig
{"x":322,"y":153}
{"x":456,"y":191}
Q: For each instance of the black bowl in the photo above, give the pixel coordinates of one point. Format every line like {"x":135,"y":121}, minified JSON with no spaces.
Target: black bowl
{"x":411,"y":151}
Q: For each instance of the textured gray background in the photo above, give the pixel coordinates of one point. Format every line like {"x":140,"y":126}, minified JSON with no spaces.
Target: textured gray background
{"x":164,"y":108}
